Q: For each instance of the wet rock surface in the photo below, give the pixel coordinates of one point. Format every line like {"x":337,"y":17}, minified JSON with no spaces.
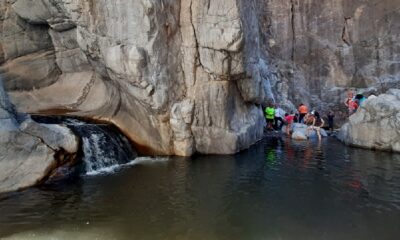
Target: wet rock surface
{"x":376,"y":125}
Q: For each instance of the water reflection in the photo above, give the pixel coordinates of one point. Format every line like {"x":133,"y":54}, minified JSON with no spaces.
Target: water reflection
{"x":279,"y":189}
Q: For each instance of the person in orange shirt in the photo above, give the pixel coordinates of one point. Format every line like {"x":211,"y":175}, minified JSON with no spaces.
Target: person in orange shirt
{"x":303,"y":110}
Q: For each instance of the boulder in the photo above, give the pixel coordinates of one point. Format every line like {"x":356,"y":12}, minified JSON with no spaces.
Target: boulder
{"x":376,"y":124}
{"x":30,"y":152}
{"x":299,"y":135}
{"x":299,"y":132}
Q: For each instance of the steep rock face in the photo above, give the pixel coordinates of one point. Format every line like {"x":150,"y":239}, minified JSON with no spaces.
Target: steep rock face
{"x":30,"y":152}
{"x":323,"y":47}
{"x":376,"y":125}
{"x":166,"y":73}
{"x":185,"y":76}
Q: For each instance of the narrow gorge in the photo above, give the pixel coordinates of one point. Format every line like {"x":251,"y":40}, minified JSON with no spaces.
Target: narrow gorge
{"x":158,"y":119}
{"x":180,"y":77}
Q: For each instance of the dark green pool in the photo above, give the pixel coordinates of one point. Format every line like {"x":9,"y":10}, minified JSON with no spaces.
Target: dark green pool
{"x":278,"y":189}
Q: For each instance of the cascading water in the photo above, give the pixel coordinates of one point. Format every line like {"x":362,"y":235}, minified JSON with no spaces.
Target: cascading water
{"x":104,"y":147}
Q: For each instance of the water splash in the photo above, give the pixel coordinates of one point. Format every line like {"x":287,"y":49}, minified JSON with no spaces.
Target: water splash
{"x":104,"y":148}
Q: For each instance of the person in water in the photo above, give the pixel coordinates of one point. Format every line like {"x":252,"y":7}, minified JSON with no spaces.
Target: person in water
{"x":289,"y":118}
{"x":316,"y":125}
{"x":331,"y":116}
{"x":270,"y":116}
{"x":303,"y":110}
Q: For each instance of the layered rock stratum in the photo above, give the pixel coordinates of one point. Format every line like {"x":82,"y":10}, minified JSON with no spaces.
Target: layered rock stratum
{"x":186,"y":76}
{"x":376,"y":125}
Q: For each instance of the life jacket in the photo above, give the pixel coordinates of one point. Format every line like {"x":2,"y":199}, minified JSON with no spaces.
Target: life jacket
{"x":270,"y":113}
{"x":303,"y":109}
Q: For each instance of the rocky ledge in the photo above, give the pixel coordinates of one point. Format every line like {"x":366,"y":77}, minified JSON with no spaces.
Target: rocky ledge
{"x":30,"y":152}
{"x":376,"y":125}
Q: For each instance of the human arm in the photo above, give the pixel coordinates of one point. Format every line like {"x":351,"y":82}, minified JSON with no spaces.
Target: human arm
{"x":322,"y":122}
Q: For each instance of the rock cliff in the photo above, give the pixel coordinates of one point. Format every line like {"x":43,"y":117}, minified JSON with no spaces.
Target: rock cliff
{"x":322,"y":47}
{"x":186,"y":76}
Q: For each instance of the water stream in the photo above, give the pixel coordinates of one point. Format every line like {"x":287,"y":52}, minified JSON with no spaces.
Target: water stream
{"x":278,"y":189}
{"x":104,"y":147}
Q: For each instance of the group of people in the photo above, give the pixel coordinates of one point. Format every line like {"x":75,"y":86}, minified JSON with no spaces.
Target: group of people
{"x":277,"y":118}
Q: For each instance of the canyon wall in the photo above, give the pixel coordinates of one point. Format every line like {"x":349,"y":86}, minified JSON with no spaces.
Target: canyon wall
{"x":186,"y":76}
{"x":321,"y":48}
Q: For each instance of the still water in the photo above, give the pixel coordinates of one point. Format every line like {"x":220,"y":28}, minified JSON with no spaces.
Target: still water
{"x":278,"y":189}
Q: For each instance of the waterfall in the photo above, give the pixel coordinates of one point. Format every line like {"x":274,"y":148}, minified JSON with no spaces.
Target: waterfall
{"x":104,"y":147}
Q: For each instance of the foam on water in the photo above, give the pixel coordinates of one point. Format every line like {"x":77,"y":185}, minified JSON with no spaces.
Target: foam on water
{"x":149,"y":160}
{"x":104,"y":148}
{"x":138,"y":161}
